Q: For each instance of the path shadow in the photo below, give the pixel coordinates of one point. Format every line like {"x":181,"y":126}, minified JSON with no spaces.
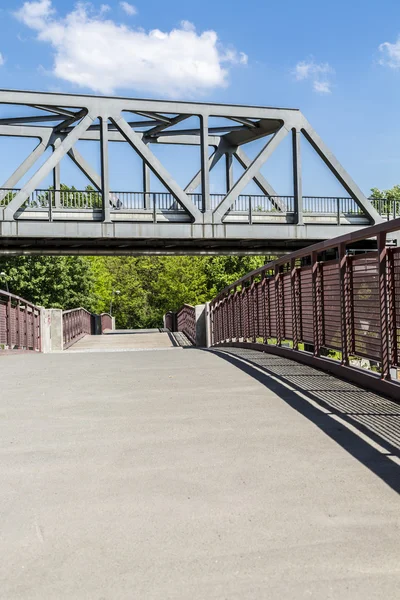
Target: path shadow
{"x":373,"y":415}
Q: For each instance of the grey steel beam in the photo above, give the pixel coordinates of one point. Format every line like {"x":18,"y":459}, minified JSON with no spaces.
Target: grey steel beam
{"x":35,"y":119}
{"x":28,"y":163}
{"x":105,"y":178}
{"x":248,"y":175}
{"x":158,"y":169}
{"x":228,"y":171}
{"x":57,"y":179}
{"x":156,"y":130}
{"x":246,"y":122}
{"x":133,"y":124}
{"x":85,"y":167}
{"x":146,"y":185}
{"x":70,"y":121}
{"x":204,"y":159}
{"x":55,"y":109}
{"x":154,"y":116}
{"x":195,"y":131}
{"x":341,"y":175}
{"x":114,"y":105}
{"x":297,"y":176}
{"x":213,"y":159}
{"x":46,"y":168}
{"x":259,"y":179}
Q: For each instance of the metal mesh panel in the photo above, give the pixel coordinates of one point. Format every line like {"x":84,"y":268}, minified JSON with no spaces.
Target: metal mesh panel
{"x":186,"y":322}
{"x":286,"y":308}
{"x":331,"y":305}
{"x":272,"y":307}
{"x":306,"y":304}
{"x":260,"y":310}
{"x":366,"y":306}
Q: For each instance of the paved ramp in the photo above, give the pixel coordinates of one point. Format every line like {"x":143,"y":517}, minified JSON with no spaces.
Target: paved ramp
{"x":124,"y":340}
{"x":177,"y":475}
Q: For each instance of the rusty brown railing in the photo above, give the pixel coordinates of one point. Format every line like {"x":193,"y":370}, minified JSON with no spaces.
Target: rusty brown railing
{"x":323,"y":306}
{"x":76,"y":323}
{"x":186,"y":322}
{"x":19,"y":323}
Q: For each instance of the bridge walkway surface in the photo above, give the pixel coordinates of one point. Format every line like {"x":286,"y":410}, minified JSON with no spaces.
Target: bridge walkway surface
{"x":194,"y":474}
{"x":124,"y":340}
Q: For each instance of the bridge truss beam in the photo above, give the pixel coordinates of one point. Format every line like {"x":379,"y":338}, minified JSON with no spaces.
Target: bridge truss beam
{"x":192,"y":219}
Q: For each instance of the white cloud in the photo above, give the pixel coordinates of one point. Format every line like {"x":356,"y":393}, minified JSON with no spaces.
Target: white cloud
{"x":128,"y":8}
{"x":390,"y":54}
{"x":94,"y":52}
{"x":322,"y":87}
{"x":319,"y":74}
{"x":2,"y":61}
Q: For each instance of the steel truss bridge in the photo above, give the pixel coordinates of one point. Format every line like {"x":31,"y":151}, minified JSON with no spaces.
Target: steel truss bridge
{"x":179,"y":220}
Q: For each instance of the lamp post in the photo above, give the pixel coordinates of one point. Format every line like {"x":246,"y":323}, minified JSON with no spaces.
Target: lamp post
{"x":4,"y":276}
{"x":114,"y":292}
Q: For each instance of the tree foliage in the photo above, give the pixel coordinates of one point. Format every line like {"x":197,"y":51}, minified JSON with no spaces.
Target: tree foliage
{"x":149,"y":286}
{"x":58,"y":282}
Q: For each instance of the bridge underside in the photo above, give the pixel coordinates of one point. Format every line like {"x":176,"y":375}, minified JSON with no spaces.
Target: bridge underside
{"x":120,"y":239}
{"x":169,"y":217}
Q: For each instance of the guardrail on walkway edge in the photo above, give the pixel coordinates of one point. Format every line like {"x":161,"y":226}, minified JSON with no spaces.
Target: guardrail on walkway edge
{"x":323,"y":307}
{"x":76,"y":323}
{"x":79,"y":322}
{"x":186,"y":322}
{"x":19,"y":323}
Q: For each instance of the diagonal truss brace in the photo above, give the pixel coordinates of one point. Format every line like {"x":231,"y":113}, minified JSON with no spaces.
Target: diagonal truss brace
{"x":249,"y":174}
{"x":47,"y":167}
{"x":339,"y":172}
{"x":155,"y":165}
{"x":24,"y":167}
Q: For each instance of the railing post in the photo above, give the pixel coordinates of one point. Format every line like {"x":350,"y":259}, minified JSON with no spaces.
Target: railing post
{"x":18,"y":309}
{"x":8,"y":323}
{"x":154,"y":209}
{"x":250,"y":212}
{"x":383,"y":306}
{"x":293,"y":282}
{"x":338,"y":210}
{"x":278,"y":306}
{"x":345,"y":302}
{"x":316,"y":288}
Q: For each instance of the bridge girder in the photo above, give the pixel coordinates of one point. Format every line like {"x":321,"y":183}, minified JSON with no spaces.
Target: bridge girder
{"x":59,"y":121}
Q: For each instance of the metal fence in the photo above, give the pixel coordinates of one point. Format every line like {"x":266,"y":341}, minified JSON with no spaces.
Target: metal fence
{"x":76,"y":323}
{"x":251,"y":204}
{"x":20,"y":327}
{"x":186,"y":322}
{"x":324,"y":306}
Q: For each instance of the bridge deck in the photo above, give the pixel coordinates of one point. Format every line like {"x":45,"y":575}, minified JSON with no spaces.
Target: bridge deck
{"x":116,"y":341}
{"x":176,"y":474}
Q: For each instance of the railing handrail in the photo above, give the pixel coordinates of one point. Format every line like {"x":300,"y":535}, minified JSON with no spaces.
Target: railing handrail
{"x":19,"y":299}
{"x":71,"y":310}
{"x":355,"y":236}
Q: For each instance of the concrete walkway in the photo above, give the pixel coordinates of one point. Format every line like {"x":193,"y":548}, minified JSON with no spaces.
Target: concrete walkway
{"x":177,"y":475}
{"x":119,"y":341}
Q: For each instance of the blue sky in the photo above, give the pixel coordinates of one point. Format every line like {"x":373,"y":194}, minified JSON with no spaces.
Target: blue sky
{"x":338,"y":62}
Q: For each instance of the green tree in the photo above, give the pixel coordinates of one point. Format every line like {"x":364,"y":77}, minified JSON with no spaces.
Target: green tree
{"x":387,"y":201}
{"x":59,"y":282}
